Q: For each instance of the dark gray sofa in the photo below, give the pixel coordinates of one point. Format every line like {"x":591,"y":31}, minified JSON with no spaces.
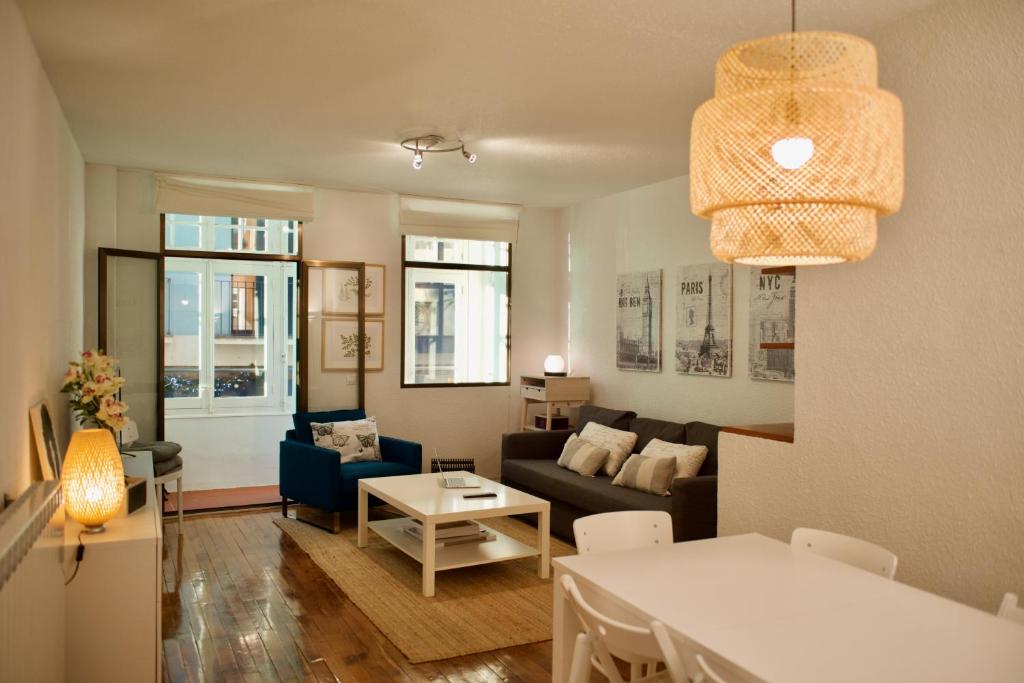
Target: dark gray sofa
{"x":528,"y":463}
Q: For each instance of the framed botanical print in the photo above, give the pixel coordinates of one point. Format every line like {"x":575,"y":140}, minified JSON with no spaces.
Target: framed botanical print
{"x":339,"y":345}
{"x":341,"y":286}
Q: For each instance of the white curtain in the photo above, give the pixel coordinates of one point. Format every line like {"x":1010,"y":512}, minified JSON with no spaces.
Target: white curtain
{"x":458,"y":219}
{"x":225,"y":197}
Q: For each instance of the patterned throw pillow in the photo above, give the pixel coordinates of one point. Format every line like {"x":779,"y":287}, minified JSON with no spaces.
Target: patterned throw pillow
{"x":355,"y":440}
{"x":651,"y":475}
{"x":619,"y":444}
{"x":688,"y":458}
{"x":582,"y":457}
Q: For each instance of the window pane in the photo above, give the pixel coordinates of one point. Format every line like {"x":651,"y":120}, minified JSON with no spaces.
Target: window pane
{"x":459,"y":327}
{"x":442,"y":250}
{"x":231,"y":233}
{"x":240,"y":340}
{"x":183,"y":232}
{"x":182,"y":340}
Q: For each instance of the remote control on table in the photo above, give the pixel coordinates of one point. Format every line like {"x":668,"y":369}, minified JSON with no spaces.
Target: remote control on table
{"x":480,"y":495}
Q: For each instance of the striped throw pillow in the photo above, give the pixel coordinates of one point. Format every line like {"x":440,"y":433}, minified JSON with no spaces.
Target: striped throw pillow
{"x":582,"y":457}
{"x":651,"y":475}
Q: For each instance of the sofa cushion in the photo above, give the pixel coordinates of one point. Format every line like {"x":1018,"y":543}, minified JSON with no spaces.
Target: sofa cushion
{"x":609,"y":417}
{"x":352,"y":472}
{"x":647,"y":428}
{"x":704,"y":434}
{"x":166,"y":466}
{"x":643,"y":473}
{"x":355,"y":440}
{"x":582,"y":456}
{"x":593,"y":494}
{"x":689,"y":459}
{"x":161,"y":450}
{"x":302,"y":421}
{"x":618,"y":442}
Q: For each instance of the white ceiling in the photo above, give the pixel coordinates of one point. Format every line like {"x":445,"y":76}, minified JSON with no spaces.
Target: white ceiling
{"x":562,"y":99}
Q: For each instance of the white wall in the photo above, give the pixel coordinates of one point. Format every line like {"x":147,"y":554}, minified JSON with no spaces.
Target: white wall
{"x":910,"y":398}
{"x":643,"y":229}
{"x":360,"y":226}
{"x":41,"y":192}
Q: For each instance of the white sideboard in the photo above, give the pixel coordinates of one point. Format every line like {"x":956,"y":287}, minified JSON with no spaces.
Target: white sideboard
{"x":112,"y":625}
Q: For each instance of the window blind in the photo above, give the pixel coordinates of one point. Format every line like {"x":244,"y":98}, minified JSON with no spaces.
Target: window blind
{"x":206,"y":196}
{"x":458,"y":219}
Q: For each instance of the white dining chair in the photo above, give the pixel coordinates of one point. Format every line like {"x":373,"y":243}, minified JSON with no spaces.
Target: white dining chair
{"x":1010,"y":610}
{"x":846,"y":549}
{"x":610,"y":531}
{"x":604,"y":639}
{"x":706,"y":673}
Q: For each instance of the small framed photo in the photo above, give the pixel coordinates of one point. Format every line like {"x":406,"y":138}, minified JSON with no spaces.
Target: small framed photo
{"x":339,"y":345}
{"x":341,"y":286}
{"x":50,"y":457}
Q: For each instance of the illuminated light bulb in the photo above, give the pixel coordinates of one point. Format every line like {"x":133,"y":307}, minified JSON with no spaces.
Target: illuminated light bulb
{"x":792,"y":153}
{"x":471,"y":158}
{"x":554,"y":365}
{"x":417,"y":161}
{"x":184,"y":302}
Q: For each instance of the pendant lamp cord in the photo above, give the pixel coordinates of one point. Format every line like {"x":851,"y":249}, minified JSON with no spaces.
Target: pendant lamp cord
{"x":792,"y":16}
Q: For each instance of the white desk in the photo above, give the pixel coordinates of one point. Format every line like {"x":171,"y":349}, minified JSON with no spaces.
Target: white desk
{"x":785,"y":615}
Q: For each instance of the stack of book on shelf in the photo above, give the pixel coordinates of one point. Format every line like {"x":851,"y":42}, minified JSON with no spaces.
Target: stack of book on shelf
{"x":452,"y":533}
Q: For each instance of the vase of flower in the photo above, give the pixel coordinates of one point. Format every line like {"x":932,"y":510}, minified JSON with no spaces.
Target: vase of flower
{"x":93,"y":384}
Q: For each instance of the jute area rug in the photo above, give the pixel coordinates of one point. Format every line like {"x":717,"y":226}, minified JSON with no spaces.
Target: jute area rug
{"x":475,"y":609}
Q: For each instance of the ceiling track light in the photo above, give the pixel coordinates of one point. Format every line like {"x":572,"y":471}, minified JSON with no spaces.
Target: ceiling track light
{"x":434,"y":144}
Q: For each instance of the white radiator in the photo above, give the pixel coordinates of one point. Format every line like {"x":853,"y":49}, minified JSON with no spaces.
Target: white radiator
{"x":32,"y":587}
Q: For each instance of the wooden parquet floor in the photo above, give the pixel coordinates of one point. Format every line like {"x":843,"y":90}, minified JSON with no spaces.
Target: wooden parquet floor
{"x":242,"y":602}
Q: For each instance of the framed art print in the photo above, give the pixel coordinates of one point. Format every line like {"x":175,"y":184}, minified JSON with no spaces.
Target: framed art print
{"x":340,"y":290}
{"x":638,"y":322}
{"x":339,"y":346}
{"x":50,"y":456}
{"x":704,"y":320}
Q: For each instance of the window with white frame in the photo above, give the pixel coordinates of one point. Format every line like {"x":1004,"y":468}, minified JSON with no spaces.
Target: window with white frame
{"x":229,"y":336}
{"x":456,"y":311}
{"x":184,"y":232}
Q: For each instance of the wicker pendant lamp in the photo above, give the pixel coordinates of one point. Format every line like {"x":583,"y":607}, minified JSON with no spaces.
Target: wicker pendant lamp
{"x":798,"y":152}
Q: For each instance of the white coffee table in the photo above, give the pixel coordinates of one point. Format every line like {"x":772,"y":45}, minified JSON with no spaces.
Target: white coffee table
{"x":421,"y":497}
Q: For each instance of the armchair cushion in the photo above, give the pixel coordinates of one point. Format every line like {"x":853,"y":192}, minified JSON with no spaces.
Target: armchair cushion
{"x":352,"y":472}
{"x":302,"y":421}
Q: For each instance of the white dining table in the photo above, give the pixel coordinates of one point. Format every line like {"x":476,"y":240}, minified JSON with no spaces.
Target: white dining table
{"x":760,"y":610}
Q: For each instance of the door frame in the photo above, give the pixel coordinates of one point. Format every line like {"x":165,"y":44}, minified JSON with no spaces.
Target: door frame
{"x":302,"y":356}
{"x":103,"y":254}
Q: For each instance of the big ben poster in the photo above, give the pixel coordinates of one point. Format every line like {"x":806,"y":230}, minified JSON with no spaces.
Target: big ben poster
{"x":638,"y":322}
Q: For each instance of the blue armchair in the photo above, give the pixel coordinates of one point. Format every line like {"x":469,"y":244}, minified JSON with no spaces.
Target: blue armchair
{"x":315,"y":476}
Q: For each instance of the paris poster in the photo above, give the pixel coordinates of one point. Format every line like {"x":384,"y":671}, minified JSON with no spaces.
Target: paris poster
{"x":772,"y":323}
{"x":704,"y":320}
{"x":638,"y":322}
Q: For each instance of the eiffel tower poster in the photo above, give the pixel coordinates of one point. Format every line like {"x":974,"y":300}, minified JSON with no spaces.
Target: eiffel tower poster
{"x":704,"y":320}
{"x":638,"y":322}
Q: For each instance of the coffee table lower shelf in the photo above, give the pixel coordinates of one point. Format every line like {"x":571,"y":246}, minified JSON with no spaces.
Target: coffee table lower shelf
{"x":502,"y":548}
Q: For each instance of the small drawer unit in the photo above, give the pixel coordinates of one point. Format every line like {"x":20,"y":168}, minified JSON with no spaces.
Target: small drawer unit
{"x":555,"y":392}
